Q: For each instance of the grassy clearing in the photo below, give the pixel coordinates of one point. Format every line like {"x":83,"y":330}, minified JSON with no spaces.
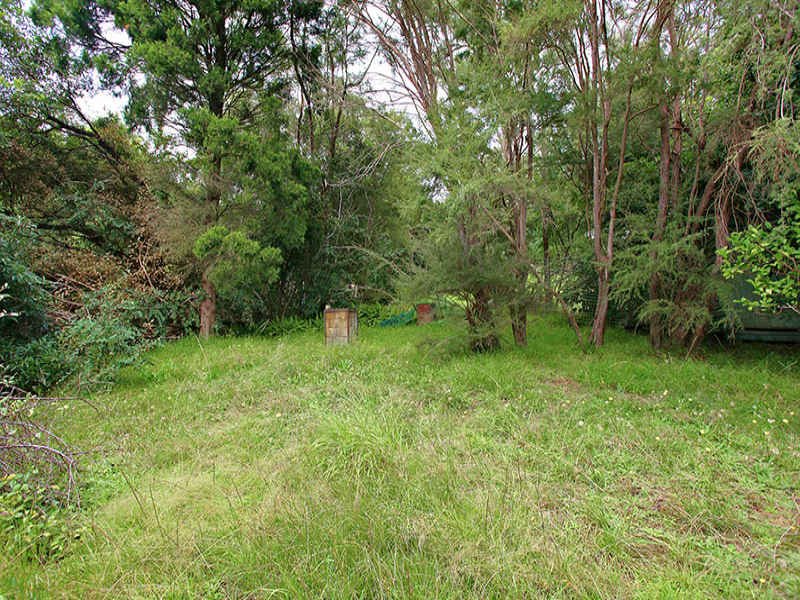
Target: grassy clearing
{"x":401,"y":467}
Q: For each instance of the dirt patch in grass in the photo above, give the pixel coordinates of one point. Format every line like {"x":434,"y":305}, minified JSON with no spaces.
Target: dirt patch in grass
{"x":565,"y":384}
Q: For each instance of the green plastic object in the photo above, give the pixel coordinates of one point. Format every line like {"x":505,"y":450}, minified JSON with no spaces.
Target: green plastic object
{"x":758,"y":326}
{"x":405,"y":318}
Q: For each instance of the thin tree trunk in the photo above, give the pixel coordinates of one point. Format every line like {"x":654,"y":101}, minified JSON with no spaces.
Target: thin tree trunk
{"x":599,"y":145}
{"x":546,"y":253}
{"x":305,"y":96}
{"x":213,"y":192}
{"x":654,"y":287}
{"x":676,"y":125}
{"x":722,"y":216}
{"x":669,"y":170}
{"x":519,"y":324}
{"x":479,"y":314}
{"x":481,"y":322}
{"x":519,"y":308}
{"x":208,"y":307}
{"x":601,"y":309}
{"x":545,"y":217}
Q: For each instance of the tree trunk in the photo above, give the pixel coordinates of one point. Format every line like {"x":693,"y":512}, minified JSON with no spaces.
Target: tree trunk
{"x":513,"y":134}
{"x":599,"y":146}
{"x":519,"y":323}
{"x":519,"y":308}
{"x":669,"y":171}
{"x":208,"y":307}
{"x":664,"y":174}
{"x":722,"y":217}
{"x":481,"y":323}
{"x":479,"y":310}
{"x":676,"y":120}
{"x":546,"y":253}
{"x":545,"y":216}
{"x":601,"y":310}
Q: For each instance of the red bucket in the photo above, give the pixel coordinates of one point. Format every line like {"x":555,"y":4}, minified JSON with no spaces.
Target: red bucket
{"x":424,"y":313}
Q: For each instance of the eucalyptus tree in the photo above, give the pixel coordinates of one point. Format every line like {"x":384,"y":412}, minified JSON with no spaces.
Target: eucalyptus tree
{"x":470,"y":73}
{"x":716,"y":119}
{"x":419,"y":42}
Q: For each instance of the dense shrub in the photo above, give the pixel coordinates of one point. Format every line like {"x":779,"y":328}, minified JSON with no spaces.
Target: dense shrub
{"x":25,"y":293}
{"x":116,"y":327}
{"x":287,"y":325}
{"x":370,"y":315}
{"x":34,"y":523}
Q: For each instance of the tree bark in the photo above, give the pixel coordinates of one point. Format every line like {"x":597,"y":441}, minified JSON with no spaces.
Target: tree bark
{"x":664,"y":172}
{"x":519,"y":308}
{"x":669,"y":171}
{"x":546,"y":253}
{"x":519,"y":323}
{"x":208,"y":307}
{"x":599,"y":146}
{"x":479,"y":313}
{"x":601,"y":309}
{"x":481,"y":323}
{"x":513,"y":134}
{"x":545,"y":216}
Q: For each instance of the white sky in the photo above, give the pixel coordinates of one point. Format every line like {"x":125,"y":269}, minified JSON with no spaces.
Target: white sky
{"x":102,"y":103}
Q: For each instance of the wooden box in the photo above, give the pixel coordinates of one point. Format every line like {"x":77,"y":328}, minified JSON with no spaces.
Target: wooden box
{"x":341,"y":325}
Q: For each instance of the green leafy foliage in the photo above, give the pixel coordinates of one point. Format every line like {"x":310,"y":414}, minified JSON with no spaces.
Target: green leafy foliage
{"x":34,"y":525}
{"x":25,"y":293}
{"x":685,"y":307}
{"x":768,"y":254}
{"x":289,"y":325}
{"x":372,"y":314}
{"x":241,"y":270}
{"x":90,"y":350}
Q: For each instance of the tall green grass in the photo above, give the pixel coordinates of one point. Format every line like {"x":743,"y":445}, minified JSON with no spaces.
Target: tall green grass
{"x":402,"y":466}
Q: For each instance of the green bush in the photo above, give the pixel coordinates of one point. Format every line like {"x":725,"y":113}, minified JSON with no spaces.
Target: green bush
{"x":118,"y":327}
{"x":155,"y":314}
{"x":242,"y":270}
{"x":25,"y":294}
{"x":114,"y":323}
{"x":91,"y":350}
{"x":287,"y":325}
{"x":370,"y":315}
{"x":33,"y":523}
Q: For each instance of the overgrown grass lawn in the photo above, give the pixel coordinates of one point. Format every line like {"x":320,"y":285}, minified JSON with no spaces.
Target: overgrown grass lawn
{"x":400,"y":466}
